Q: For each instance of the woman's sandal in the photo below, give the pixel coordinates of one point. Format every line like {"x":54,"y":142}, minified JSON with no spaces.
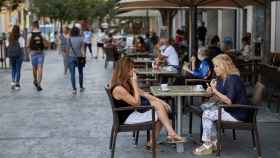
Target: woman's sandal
{"x":149,"y":147}
{"x":175,"y":139}
{"x":203,"y":150}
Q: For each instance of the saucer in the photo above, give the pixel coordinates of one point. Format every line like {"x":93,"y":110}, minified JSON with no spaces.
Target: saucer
{"x":164,"y":90}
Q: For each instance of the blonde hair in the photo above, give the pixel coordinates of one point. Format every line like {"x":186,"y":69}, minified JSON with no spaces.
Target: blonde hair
{"x":226,"y":64}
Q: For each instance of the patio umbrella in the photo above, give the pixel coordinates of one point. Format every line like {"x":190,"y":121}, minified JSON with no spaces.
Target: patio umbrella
{"x":194,"y":4}
{"x":217,"y":3}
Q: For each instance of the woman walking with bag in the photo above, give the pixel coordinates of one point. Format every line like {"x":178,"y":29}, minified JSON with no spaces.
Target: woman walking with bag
{"x":76,"y":58}
{"x":15,"y":45}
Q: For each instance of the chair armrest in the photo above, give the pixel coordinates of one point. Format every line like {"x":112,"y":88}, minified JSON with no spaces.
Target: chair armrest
{"x":133,"y":108}
{"x":254,"y":108}
{"x":197,"y":80}
{"x":240,"y":106}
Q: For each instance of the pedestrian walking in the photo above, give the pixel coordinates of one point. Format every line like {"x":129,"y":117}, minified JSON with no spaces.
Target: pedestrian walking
{"x":88,"y":40}
{"x":100,"y":43}
{"x":64,"y":37}
{"x":76,"y":58}
{"x":37,"y":44}
{"x":15,"y":45}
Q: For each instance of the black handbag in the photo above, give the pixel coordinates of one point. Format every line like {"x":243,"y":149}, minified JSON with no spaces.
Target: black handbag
{"x":80,"y":60}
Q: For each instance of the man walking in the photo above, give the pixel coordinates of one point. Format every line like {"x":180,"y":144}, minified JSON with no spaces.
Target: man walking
{"x":201,"y":32}
{"x":36,"y":45}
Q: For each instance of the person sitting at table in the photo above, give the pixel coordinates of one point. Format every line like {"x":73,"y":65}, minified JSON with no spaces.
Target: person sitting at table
{"x":227,"y":89}
{"x":205,"y":66}
{"x":214,"y":49}
{"x":168,"y":54}
{"x":204,"y":71}
{"x":140,"y":44}
{"x":246,"y":49}
{"x":126,"y":92}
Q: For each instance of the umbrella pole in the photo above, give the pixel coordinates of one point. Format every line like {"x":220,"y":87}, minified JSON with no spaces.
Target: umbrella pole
{"x":192,"y":30}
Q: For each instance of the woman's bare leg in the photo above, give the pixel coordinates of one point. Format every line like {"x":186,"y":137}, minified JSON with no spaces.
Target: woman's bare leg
{"x":163,"y":117}
{"x":157,"y":131}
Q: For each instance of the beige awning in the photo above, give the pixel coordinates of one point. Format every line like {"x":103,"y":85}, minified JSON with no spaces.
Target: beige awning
{"x":146,"y":4}
{"x":140,"y":13}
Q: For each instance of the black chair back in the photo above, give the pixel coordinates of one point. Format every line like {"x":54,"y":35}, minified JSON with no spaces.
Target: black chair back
{"x":109,"y":93}
{"x":110,"y":55}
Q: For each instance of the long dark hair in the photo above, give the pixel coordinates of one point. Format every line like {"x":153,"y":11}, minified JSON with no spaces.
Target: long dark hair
{"x":121,"y":73}
{"x":75,"y":32}
{"x":15,"y":34}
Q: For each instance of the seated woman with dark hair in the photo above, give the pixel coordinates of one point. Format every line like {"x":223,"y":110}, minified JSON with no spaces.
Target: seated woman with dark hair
{"x":125,"y":92}
{"x":140,"y":44}
{"x":228,"y":89}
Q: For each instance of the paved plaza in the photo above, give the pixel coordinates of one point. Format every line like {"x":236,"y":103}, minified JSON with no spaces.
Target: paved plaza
{"x":56,"y":124}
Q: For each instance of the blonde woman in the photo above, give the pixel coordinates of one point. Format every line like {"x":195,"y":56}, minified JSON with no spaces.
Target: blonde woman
{"x":227,"y":89}
{"x":126,"y":93}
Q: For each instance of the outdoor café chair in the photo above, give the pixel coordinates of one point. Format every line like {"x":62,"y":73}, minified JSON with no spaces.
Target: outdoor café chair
{"x":117,"y":127}
{"x":110,"y":56}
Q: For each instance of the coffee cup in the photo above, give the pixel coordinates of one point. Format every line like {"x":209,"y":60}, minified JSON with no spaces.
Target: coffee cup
{"x":199,"y":88}
{"x":164,"y":87}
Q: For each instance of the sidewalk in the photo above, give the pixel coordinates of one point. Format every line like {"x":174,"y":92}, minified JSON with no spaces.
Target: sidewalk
{"x":55,"y":124}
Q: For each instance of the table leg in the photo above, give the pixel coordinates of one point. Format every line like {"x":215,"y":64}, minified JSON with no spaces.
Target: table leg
{"x":179,"y":146}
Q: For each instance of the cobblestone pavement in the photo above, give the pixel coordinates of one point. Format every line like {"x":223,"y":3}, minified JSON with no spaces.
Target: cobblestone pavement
{"x":55,"y":124}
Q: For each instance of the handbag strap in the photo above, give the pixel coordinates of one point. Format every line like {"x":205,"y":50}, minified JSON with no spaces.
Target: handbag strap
{"x":72,"y":47}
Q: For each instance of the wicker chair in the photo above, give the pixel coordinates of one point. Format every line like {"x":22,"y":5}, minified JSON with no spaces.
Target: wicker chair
{"x":118,"y":127}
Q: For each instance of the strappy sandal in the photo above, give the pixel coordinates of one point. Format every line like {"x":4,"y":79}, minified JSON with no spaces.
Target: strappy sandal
{"x":149,"y":147}
{"x":203,"y":150}
{"x":175,"y":139}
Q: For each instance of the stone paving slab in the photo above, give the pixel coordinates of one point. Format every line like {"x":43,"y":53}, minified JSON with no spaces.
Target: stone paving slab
{"x":55,"y":124}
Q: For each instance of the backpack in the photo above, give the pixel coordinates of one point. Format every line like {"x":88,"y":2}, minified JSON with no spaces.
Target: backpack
{"x":36,"y":41}
{"x":14,"y":50}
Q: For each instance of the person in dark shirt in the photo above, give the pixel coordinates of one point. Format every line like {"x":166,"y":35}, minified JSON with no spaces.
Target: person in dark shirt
{"x":214,"y":49}
{"x":227,"y":89}
{"x":201,"y":33}
{"x":126,"y":92}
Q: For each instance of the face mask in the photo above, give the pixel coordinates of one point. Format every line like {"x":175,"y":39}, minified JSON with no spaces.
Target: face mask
{"x":162,"y":47}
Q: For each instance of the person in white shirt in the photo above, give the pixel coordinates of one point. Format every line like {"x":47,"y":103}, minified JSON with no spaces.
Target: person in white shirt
{"x":100,"y":37}
{"x":15,"y":45}
{"x":168,"y":54}
{"x":87,"y":41}
{"x":246,"y":50}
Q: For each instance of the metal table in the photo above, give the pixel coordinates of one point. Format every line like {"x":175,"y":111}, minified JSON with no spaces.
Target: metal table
{"x":179,"y":92}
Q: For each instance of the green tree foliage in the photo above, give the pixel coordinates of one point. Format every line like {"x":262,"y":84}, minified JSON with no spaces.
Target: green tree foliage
{"x":69,"y":10}
{"x":13,"y":4}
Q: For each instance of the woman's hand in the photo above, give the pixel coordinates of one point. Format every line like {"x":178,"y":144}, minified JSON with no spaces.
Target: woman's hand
{"x":213,"y":83}
{"x":133,"y":79}
{"x":209,"y":89}
{"x":193,"y":59}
